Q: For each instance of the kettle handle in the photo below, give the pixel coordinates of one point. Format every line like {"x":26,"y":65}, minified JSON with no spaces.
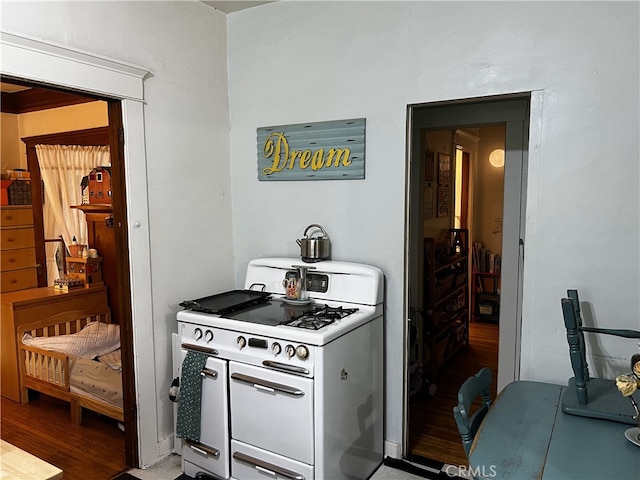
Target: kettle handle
{"x":317,"y":226}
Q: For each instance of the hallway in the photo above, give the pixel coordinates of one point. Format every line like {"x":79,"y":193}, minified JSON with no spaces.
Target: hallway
{"x":433,"y":431}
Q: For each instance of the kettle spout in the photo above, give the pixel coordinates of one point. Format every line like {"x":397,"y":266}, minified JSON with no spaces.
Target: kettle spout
{"x":299,"y":243}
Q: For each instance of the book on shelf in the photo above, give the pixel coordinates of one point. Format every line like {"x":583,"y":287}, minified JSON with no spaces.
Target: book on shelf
{"x":485,"y":261}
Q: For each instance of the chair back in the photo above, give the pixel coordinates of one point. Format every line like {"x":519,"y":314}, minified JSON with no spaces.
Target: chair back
{"x":573,"y":295}
{"x":468,"y":423}
{"x":577,"y":346}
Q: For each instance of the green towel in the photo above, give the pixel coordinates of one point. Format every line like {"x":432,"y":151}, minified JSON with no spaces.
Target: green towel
{"x":189,"y":404}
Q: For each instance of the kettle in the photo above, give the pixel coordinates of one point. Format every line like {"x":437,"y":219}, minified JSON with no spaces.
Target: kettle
{"x":315,"y":249}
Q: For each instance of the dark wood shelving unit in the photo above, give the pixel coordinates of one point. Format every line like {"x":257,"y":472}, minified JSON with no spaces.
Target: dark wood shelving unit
{"x":101,"y":237}
{"x":446,"y":299}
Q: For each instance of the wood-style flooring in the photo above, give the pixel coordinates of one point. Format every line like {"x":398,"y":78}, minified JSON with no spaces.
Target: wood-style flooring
{"x":432,"y":428}
{"x":95,"y":450}
{"x":42,"y":427}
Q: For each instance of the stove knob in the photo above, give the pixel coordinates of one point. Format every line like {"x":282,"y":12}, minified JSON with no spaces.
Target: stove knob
{"x":208,"y":335}
{"x":302,"y":352}
{"x":276,"y":348}
{"x":242,"y":342}
{"x":197,"y":334}
{"x":290,"y":351}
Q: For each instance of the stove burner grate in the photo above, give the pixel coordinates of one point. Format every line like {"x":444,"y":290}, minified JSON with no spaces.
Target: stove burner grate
{"x":319,"y":317}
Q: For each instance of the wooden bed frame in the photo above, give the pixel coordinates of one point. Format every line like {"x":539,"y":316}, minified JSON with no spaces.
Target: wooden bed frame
{"x":34,"y":361}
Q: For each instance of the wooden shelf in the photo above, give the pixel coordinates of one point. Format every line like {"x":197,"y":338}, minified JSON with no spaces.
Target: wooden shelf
{"x":94,"y":208}
{"x":445,"y":328}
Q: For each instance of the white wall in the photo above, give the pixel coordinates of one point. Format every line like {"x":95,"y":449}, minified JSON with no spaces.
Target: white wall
{"x":292,"y":62}
{"x":489,"y":191}
{"x":183,"y":45}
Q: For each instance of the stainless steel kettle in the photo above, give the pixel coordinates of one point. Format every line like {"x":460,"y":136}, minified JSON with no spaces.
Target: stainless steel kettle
{"x":317,"y":248}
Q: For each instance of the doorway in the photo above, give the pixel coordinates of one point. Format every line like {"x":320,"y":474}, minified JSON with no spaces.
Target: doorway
{"x":35,"y":97}
{"x":458,"y":122}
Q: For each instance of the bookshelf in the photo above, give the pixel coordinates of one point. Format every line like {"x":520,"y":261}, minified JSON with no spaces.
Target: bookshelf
{"x":485,"y":285}
{"x":446,"y":299}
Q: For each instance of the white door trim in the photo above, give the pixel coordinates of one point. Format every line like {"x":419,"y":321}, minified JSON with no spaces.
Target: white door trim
{"x":41,"y":61}
{"x":507,"y":109}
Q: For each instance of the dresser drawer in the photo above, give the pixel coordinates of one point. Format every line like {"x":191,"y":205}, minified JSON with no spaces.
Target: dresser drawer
{"x":18,"y":280}
{"x":15,"y":217}
{"x":17,"y":259}
{"x":13,"y":238}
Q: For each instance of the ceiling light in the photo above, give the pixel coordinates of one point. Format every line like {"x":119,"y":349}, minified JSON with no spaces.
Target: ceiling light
{"x":496,"y":158}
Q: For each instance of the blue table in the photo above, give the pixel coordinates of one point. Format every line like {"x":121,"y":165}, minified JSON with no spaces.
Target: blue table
{"x":525,"y":435}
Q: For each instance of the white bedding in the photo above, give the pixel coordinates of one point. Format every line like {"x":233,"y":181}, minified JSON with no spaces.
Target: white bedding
{"x":113,"y":359}
{"x":95,"y":339}
{"x":97,"y":380}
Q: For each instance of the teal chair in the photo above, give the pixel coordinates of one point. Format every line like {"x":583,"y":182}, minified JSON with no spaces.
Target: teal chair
{"x":471,"y":389}
{"x":587,"y":396}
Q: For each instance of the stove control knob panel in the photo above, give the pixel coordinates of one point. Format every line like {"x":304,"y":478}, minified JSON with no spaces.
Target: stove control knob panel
{"x":302,"y":352}
{"x":290,"y":351}
{"x":276,"y":348}
{"x":242,"y":342}
{"x":208,"y":335}
{"x":197,"y":334}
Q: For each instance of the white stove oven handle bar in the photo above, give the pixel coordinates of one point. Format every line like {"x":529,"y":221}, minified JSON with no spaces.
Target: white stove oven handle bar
{"x":207,"y":372}
{"x":203,"y":450}
{"x":284,"y":367}
{"x":199,"y":348}
{"x":266,"y":385}
{"x":268,"y":468}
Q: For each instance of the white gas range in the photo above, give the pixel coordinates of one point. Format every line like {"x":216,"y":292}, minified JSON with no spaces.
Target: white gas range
{"x":291,"y":389}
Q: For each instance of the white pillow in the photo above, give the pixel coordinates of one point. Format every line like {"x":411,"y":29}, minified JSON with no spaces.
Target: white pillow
{"x":95,"y":339}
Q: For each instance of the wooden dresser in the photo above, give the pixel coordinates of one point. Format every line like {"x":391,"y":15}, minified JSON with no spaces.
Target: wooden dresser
{"x":26,"y":306}
{"x":18,"y":260}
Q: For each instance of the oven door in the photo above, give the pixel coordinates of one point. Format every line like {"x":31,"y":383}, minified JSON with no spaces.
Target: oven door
{"x":272,"y":411}
{"x":211,"y":453}
{"x":251,"y":463}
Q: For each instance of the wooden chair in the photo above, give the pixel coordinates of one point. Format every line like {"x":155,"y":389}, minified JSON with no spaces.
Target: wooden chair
{"x":471,"y":389}
{"x":586,"y":396}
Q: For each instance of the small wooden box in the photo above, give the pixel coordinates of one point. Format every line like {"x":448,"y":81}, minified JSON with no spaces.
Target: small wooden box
{"x":89,"y":270}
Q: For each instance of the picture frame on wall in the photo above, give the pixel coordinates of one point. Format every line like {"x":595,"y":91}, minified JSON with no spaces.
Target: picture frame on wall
{"x":428,"y":203}
{"x":429,"y":166}
{"x":444,"y":169}
{"x":444,"y":200}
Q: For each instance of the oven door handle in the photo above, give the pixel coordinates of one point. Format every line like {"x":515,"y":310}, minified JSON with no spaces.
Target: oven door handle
{"x":199,"y":348}
{"x":285,"y":368}
{"x":203,"y":449}
{"x":266,"y":467}
{"x":207,"y":372}
{"x":266,"y":385}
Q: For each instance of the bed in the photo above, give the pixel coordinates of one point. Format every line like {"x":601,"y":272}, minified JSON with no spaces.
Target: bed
{"x":74,"y":356}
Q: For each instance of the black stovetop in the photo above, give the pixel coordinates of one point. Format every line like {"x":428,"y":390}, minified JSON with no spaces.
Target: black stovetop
{"x":276,"y":312}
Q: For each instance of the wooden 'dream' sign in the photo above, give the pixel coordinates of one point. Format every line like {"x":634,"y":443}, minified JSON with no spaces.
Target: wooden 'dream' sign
{"x":312,"y":151}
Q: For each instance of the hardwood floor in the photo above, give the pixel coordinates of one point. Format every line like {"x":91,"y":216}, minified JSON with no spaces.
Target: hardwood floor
{"x":95,"y":450}
{"x":42,"y":427}
{"x":432,"y":428}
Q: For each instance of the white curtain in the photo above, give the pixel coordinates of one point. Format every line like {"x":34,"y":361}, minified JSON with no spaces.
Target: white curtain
{"x":62,"y":168}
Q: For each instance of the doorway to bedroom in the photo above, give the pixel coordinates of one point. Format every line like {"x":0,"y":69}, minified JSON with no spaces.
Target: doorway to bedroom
{"x":43,"y":116}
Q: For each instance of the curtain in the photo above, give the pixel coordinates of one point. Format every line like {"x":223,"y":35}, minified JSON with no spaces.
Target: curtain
{"x":62,"y":168}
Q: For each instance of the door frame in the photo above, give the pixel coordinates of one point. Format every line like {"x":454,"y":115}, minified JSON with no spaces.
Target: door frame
{"x":59,"y":66}
{"x":513,"y":111}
